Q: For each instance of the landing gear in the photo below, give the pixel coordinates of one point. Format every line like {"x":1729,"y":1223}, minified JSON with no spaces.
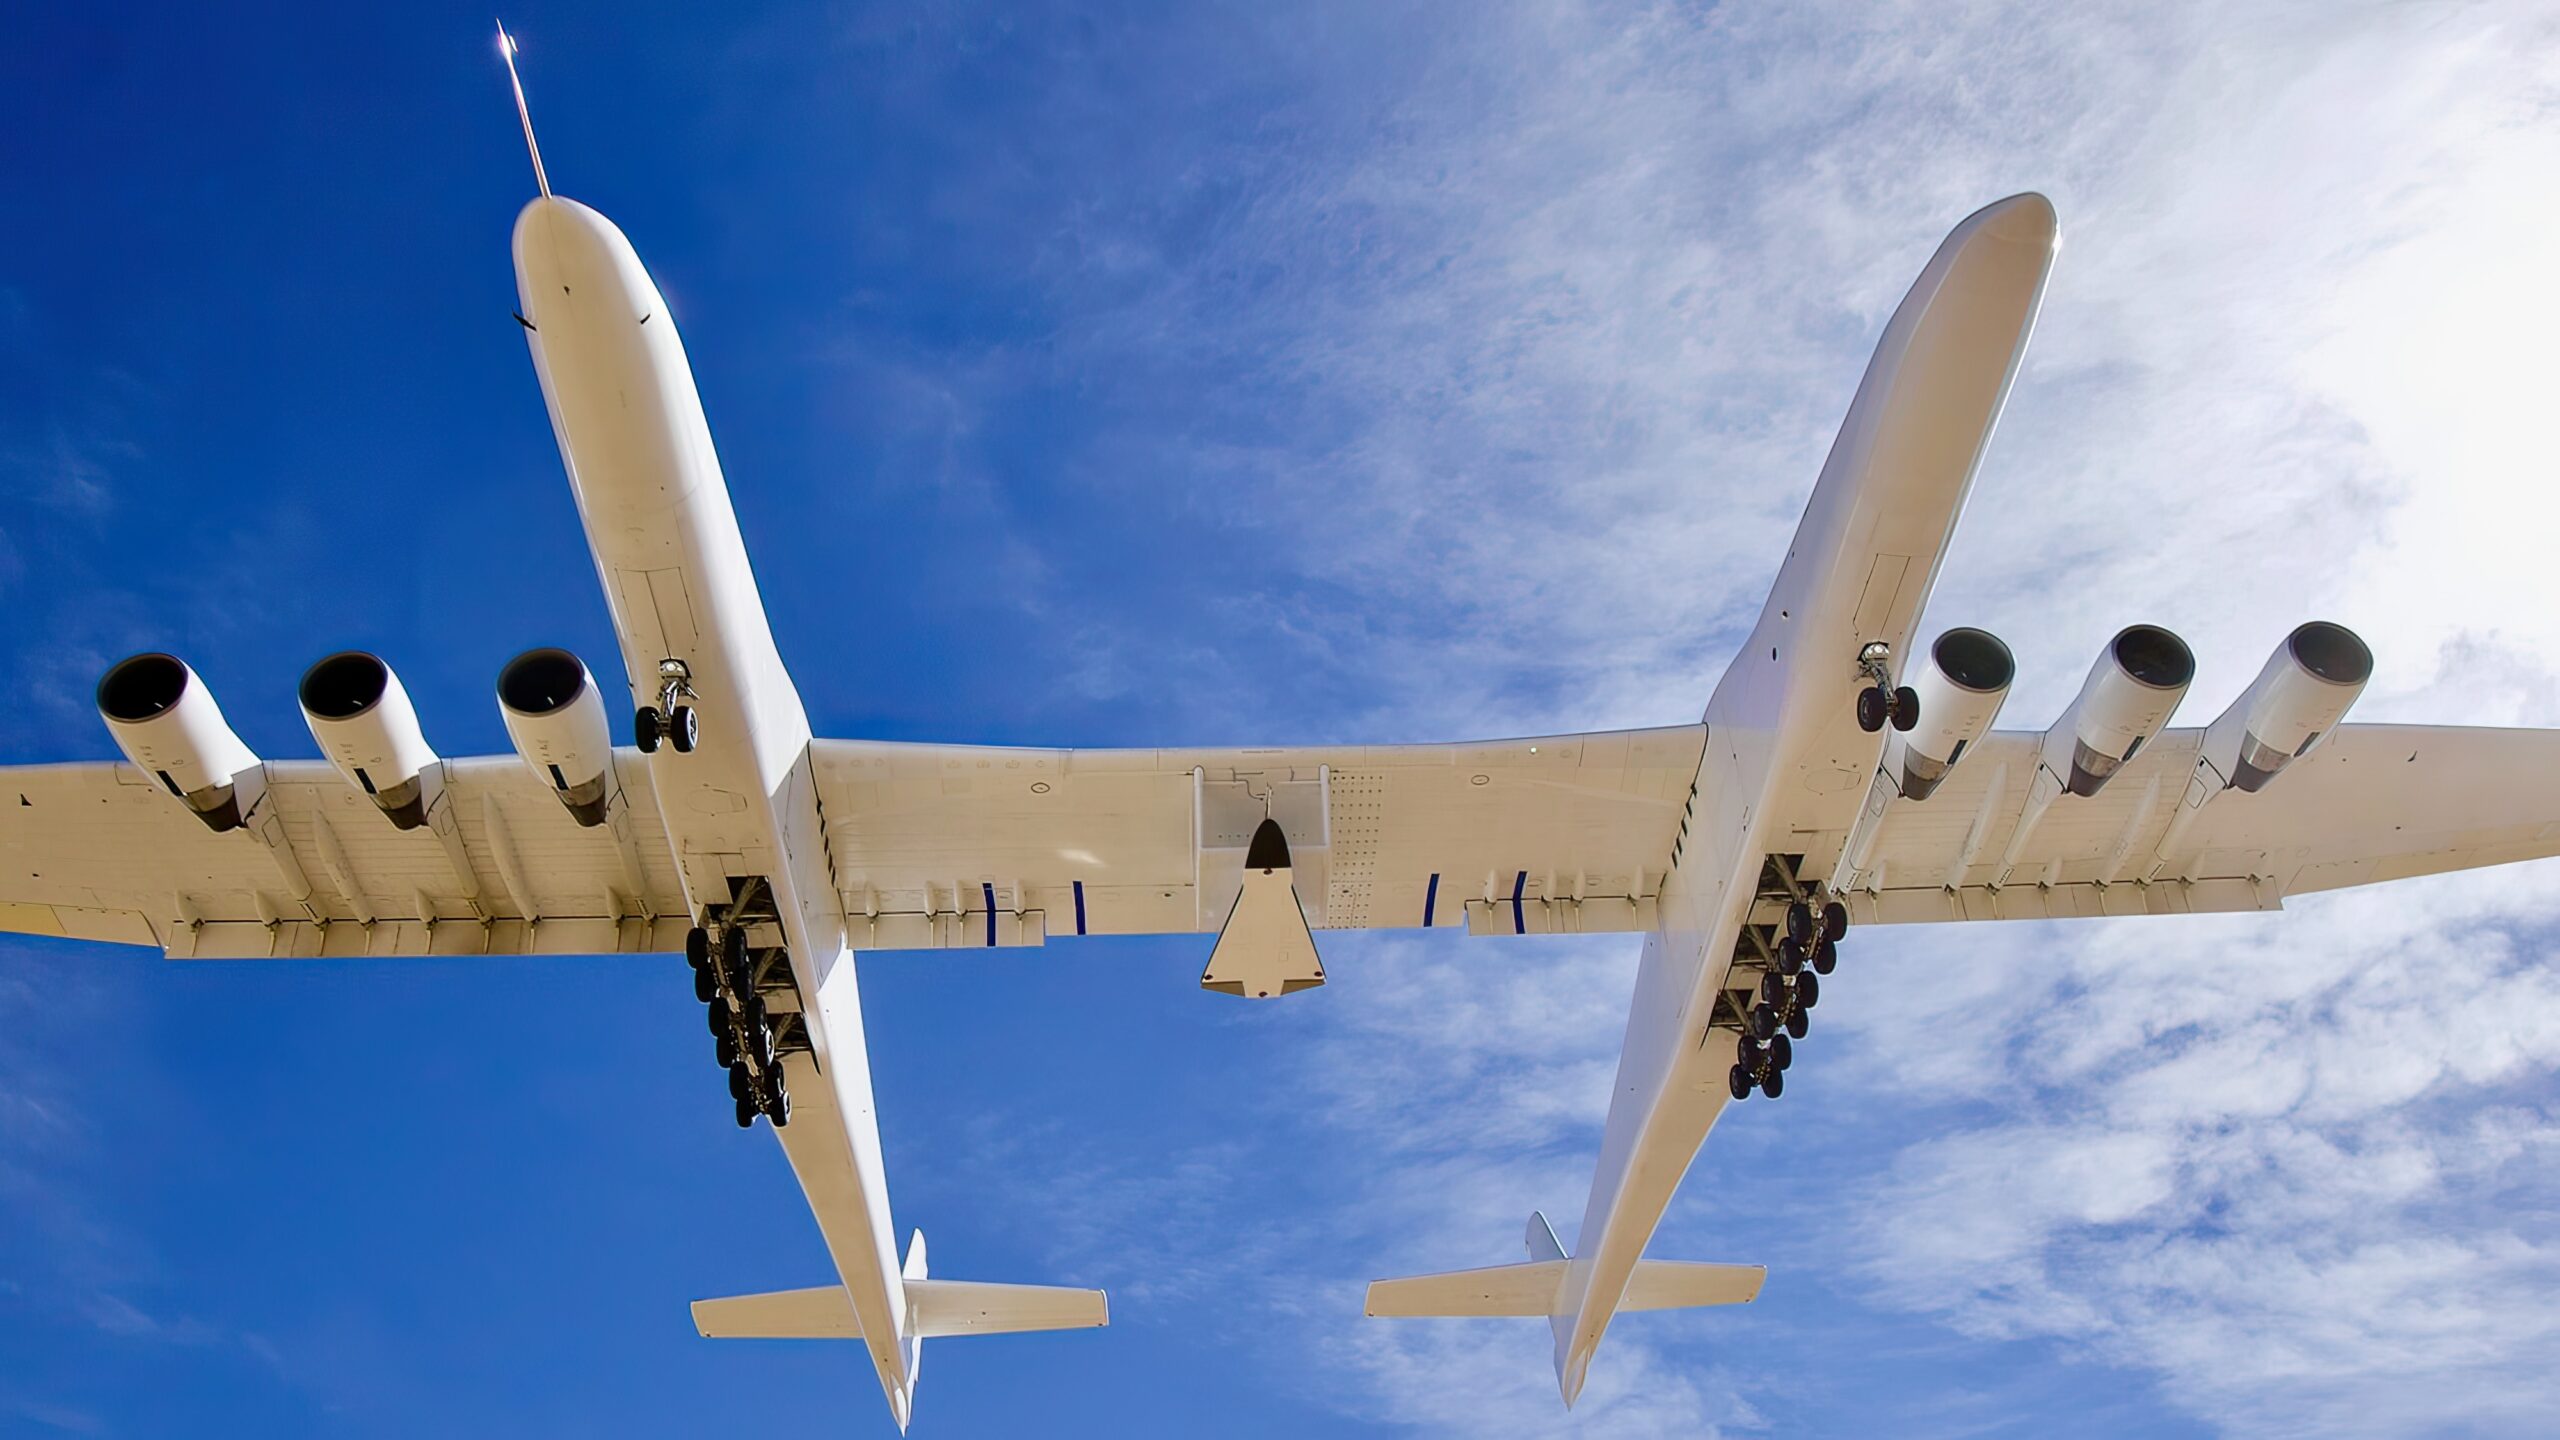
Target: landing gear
{"x":1739,"y":1082}
{"x":727,"y":973}
{"x":1800,"y":923}
{"x":1835,"y":921}
{"x":1764,"y":1021}
{"x":1823,"y":957}
{"x":1790,"y":956}
{"x":668,"y":720}
{"x":1882,"y":702}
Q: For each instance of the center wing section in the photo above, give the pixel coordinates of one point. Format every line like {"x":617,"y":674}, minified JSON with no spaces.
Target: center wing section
{"x":941,"y":846}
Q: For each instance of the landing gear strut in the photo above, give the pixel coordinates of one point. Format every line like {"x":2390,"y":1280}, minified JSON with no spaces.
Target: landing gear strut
{"x":669,"y":720}
{"x":1882,"y":701}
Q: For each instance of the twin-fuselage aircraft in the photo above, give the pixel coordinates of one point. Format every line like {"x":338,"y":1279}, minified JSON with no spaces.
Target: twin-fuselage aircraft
{"x":1842,"y":777}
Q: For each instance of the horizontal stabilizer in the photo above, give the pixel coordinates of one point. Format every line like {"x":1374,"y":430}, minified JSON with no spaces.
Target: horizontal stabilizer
{"x":939,"y":1307}
{"x":1537,"y":1287}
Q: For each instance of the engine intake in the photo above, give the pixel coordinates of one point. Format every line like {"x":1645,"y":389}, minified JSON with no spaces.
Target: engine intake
{"x":2300,"y":696}
{"x":556,"y":719}
{"x":1960,"y":686}
{"x":2130,"y":693}
{"x":166,"y":722}
{"x":360,"y":713}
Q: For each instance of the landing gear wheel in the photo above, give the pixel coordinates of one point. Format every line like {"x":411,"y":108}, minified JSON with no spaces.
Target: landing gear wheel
{"x":747,"y":1114}
{"x":647,"y":728}
{"x":719,"y":1014}
{"x":1825,"y":955}
{"x":760,"y":1045}
{"x":1764,"y":1022}
{"x":1739,"y":1082}
{"x":1906,"y":708}
{"x":1800,"y":922}
{"x":1773,"y":990}
{"x":1798,"y":1022}
{"x":1774,"y":1084}
{"x":778,"y":1106}
{"x":726,"y":1048}
{"x":706,"y":984}
{"x":1808,"y":990}
{"x":1748,"y":1054}
{"x":1835,"y":922}
{"x":1782,"y":1052}
{"x":684,"y":728}
{"x":1790,"y":956}
{"x":742,"y":1086}
{"x":697,"y":947}
{"x":1874,"y":707}
{"x":733,"y":949}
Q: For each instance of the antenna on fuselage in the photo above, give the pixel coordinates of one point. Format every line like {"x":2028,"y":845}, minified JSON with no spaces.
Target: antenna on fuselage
{"x":507,"y":48}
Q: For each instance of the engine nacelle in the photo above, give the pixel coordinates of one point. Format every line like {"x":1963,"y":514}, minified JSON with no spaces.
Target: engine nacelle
{"x":556,"y":718}
{"x":2303,"y":693}
{"x":166,"y":723}
{"x":1960,"y":687}
{"x":2138,"y":681}
{"x":368,"y":730}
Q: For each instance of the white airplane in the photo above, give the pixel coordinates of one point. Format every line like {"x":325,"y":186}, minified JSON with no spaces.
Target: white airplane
{"x":1819,"y":791}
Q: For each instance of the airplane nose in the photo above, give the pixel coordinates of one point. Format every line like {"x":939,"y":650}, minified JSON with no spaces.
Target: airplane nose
{"x":566,"y":251}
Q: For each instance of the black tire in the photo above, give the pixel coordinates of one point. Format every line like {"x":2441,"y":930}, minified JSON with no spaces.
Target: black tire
{"x":747,"y":1114}
{"x":685,"y":728}
{"x":706,"y":985}
{"x":697,"y":947}
{"x":1873,"y":707}
{"x":1764,"y":1022}
{"x":1835,"y":922}
{"x":1798,"y":1022}
{"x":1782,"y":1052}
{"x":647,"y":728}
{"x":1808,"y":990}
{"x":733,"y":949}
{"x":1906,"y":708}
{"x":726,"y":1049}
{"x":760,"y":1045}
{"x":1739,"y":1082}
{"x":1773,"y":989}
{"x":1790,"y":956}
{"x":778,"y":1105}
{"x":742,"y":1086}
{"x":1825,"y":955}
{"x":1800,"y":922}
{"x":1774,"y":1084}
{"x":1748,"y":1054}
{"x":719,"y":1018}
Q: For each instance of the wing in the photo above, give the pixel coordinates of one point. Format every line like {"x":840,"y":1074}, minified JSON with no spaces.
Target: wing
{"x":2373,"y":803}
{"x":946,"y":845}
{"x":95,"y":852}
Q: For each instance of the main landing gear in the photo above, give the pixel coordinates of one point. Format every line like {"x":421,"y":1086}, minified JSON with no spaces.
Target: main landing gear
{"x":725,"y":975}
{"x":1882,"y":701}
{"x":675,"y":723}
{"x":1780,"y":1006}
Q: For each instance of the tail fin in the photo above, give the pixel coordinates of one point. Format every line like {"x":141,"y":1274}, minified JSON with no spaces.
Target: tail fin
{"x":1537,"y":1288}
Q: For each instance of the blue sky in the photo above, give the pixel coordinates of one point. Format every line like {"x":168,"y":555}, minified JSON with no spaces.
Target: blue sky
{"x":1228,"y":373}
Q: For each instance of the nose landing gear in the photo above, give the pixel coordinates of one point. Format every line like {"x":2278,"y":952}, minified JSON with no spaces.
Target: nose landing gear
{"x":675,"y":723}
{"x":1882,"y":702}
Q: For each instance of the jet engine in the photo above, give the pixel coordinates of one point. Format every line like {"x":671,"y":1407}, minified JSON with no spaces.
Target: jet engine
{"x":368,"y":730}
{"x":2299,"y":697}
{"x":557,"y":721}
{"x":165,"y":722}
{"x":1960,"y":687}
{"x":2138,"y":680}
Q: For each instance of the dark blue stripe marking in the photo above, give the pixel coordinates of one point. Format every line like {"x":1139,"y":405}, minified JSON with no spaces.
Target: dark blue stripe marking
{"x":1430,"y":899}
{"x":1079,"y":907}
{"x":1519,"y":920}
{"x":990,"y":888}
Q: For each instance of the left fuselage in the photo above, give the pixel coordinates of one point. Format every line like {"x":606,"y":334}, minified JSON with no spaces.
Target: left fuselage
{"x":741,"y":805}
